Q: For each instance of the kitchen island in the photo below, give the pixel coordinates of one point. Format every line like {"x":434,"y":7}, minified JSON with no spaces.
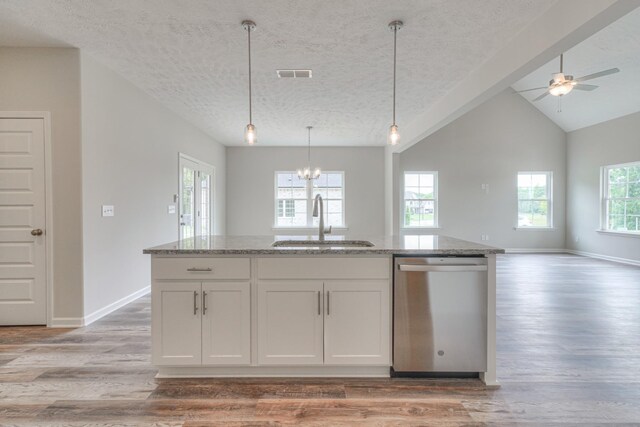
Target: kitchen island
{"x":240,"y":306}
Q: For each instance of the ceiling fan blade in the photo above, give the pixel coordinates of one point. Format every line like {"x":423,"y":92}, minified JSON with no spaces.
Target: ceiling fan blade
{"x":581,"y":86}
{"x":598,"y":74}
{"x":534,"y":88}
{"x":541,"y":96}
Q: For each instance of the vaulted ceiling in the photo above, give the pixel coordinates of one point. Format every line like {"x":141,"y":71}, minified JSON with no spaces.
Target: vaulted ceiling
{"x":617,"y":45}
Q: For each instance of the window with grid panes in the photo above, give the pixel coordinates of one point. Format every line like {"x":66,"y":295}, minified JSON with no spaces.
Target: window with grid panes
{"x":621,"y":198}
{"x":420,"y":208}
{"x":294,"y":199}
{"x":534,"y":200}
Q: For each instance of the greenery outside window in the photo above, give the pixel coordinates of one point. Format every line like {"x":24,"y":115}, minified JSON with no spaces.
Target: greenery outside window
{"x":621,"y":198}
{"x":535,"y":200}
{"x":420,"y":203}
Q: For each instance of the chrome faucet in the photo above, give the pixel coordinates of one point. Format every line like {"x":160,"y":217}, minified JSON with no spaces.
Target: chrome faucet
{"x":321,"y":230}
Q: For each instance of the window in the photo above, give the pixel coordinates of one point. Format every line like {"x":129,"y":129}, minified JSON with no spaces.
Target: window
{"x":621,"y":198}
{"x":195,"y":197}
{"x":420,"y":207}
{"x":294,"y":199}
{"x":534,"y":200}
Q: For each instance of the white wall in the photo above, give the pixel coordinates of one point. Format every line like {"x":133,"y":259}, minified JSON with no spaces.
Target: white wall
{"x":613,"y":142}
{"x":130,"y":146}
{"x":48,"y":79}
{"x":490,"y":145}
{"x":250,"y":185}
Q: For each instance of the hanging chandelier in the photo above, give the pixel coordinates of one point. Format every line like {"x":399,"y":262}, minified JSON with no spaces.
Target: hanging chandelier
{"x":307,"y":173}
{"x":394,"y":136}
{"x":250,"y":132}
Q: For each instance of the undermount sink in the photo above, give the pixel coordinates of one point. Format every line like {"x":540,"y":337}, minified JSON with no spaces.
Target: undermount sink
{"x":332,"y":243}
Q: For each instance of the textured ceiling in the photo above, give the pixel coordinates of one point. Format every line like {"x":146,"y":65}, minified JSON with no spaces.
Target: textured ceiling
{"x":191,"y":56}
{"x":618,"y":45}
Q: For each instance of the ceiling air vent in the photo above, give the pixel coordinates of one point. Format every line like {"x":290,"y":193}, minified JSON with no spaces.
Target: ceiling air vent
{"x":294,"y":74}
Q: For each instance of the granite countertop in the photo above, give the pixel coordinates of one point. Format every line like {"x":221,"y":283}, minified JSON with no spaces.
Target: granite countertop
{"x":383,"y":245}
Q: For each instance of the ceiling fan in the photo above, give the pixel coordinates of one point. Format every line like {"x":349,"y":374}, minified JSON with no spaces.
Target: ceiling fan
{"x":562,"y":84}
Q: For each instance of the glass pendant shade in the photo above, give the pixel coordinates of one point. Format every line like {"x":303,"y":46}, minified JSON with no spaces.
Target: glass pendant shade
{"x":250,"y":134}
{"x":308,"y":173}
{"x":394,"y":135}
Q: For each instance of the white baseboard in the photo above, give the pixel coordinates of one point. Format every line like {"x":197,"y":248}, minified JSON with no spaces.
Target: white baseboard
{"x":67,"y":322}
{"x":604,"y":257}
{"x":90,"y":318}
{"x":535,"y":250}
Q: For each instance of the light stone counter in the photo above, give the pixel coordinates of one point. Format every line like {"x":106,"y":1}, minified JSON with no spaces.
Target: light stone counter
{"x":383,"y":245}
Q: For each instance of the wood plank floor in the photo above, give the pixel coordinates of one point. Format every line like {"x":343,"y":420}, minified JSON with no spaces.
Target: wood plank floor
{"x":568,"y":354}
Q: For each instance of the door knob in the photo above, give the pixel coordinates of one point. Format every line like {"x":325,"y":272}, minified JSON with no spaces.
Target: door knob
{"x":36,"y":232}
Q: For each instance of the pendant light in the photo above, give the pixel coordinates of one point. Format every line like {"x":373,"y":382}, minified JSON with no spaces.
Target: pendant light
{"x":394,"y":135}
{"x":306,"y":173}
{"x":250,"y":132}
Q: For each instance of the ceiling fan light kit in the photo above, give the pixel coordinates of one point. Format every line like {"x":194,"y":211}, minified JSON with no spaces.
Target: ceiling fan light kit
{"x":562,"y":84}
{"x":250,"y":132}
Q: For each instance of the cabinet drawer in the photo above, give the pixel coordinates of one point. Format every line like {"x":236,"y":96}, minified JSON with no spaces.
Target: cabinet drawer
{"x":200,"y":268}
{"x":324,"y":268}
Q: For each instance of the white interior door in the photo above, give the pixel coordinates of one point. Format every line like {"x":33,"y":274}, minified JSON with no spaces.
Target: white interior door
{"x":195,"y":198}
{"x":23,"y":290}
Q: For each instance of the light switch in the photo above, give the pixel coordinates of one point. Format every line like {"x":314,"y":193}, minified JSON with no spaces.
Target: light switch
{"x":107,"y":210}
{"x":171,"y":209}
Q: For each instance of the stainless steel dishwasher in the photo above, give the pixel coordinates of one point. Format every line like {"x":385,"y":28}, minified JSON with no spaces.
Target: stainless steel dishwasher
{"x":439,"y":315}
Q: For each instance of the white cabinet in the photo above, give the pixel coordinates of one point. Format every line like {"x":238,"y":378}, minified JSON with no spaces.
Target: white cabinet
{"x":290,"y":323}
{"x":176,"y":324}
{"x":226,"y":323}
{"x":201,"y":311}
{"x":357,"y":322}
{"x":332,"y":322}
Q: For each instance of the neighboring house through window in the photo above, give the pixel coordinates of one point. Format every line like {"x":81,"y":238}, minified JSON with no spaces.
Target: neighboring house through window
{"x":420,"y":207}
{"x":621,"y":198}
{"x":534,"y":200}
{"x":294,"y":199}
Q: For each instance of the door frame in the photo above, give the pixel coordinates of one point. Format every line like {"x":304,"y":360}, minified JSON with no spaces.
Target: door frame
{"x":45,"y":116}
{"x":212,"y":218}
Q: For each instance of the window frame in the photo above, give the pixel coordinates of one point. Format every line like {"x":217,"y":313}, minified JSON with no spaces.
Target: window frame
{"x":309,"y":191}
{"x":604,"y":198}
{"x":436,"y":194}
{"x":549,"y":201}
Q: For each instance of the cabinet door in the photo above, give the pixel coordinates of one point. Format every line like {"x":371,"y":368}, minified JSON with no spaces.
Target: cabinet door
{"x":290,"y":323}
{"x":357,"y":322}
{"x":226,"y":323}
{"x":176,"y":324}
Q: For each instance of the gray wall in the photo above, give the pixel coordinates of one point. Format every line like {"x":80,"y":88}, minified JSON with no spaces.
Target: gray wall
{"x":490,"y":145}
{"x":613,"y":142}
{"x":130,"y":146}
{"x":250,"y":185}
{"x":35,"y":79}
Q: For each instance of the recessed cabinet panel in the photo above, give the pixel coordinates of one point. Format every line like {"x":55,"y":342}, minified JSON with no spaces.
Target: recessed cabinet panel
{"x":226,"y":323}
{"x":357,"y":322}
{"x":176,"y":326}
{"x":290,"y":323}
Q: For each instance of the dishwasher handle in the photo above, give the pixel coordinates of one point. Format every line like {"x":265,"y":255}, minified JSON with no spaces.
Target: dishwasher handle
{"x":442,"y":268}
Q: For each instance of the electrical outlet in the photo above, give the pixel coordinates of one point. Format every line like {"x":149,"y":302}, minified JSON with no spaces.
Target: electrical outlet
{"x":485,"y":188}
{"x":484,"y":237}
{"x":107,"y":210}
{"x":171,"y":209}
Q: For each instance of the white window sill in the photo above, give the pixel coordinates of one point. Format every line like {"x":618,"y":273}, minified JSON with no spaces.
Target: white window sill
{"x":620,"y":233}
{"x":419,"y":228}
{"x":534,"y":228}
{"x":281,"y":228}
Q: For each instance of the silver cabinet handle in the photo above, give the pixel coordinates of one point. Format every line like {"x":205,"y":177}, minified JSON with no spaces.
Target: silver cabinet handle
{"x":204,"y":303}
{"x":199,"y":269}
{"x":319,"y":313}
{"x":195,"y":303}
{"x":443,"y":268}
{"x":328,"y":302}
